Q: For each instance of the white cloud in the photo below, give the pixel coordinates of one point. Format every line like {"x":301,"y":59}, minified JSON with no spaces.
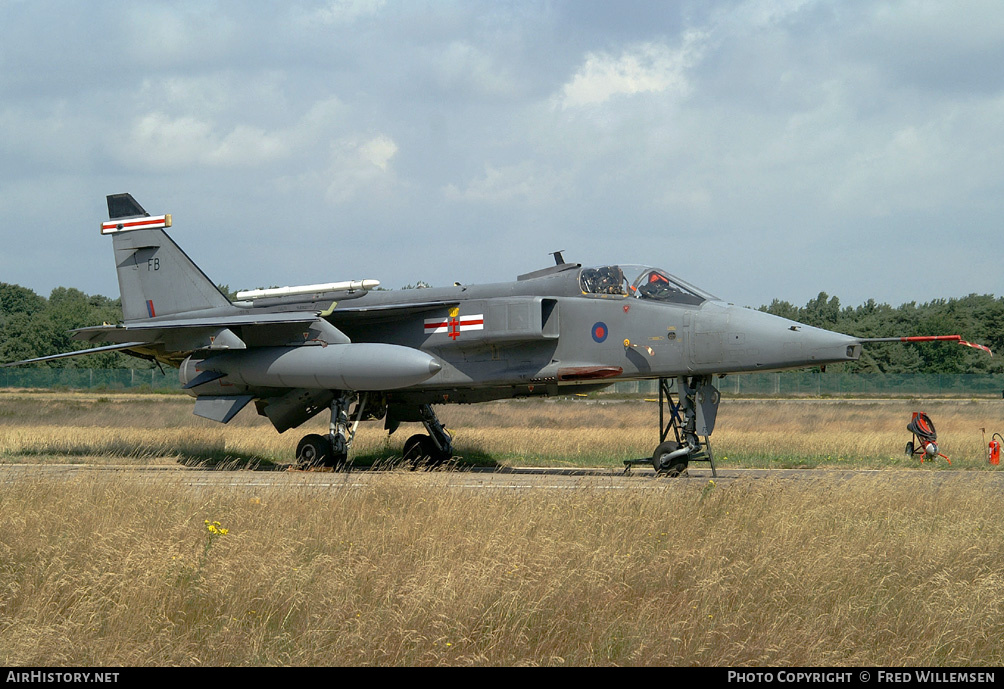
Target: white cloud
{"x":161,"y":141}
{"x":161,"y":34}
{"x":643,"y":68}
{"x":462,"y":67}
{"x":524,"y":183}
{"x":346,"y":11}
{"x":52,"y":138}
{"x":357,"y":164}
{"x":321,"y":150}
{"x":757,"y":15}
{"x":937,"y":162}
{"x":217,"y":94}
{"x":211,"y":138}
{"x":378,"y":152}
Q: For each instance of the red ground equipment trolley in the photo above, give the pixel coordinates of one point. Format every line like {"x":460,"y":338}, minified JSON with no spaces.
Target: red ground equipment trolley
{"x":924,"y":438}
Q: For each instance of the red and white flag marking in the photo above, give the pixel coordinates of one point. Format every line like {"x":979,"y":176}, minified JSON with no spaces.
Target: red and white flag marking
{"x":453,"y":325}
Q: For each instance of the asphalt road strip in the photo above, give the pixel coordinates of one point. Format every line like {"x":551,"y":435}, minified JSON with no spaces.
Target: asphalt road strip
{"x":518,"y":478}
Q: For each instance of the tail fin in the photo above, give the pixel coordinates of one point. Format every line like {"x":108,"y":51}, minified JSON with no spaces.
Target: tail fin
{"x":156,"y":278}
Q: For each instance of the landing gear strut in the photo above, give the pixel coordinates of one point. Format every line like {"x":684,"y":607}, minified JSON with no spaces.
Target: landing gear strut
{"x":432,"y":449}
{"x":692,"y":412}
{"x":332,"y":450}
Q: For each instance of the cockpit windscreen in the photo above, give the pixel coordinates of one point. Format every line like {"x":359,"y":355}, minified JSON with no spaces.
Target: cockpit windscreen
{"x":604,"y":280}
{"x":642,"y":282}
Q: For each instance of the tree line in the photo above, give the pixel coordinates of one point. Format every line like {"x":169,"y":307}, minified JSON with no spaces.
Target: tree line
{"x":33,"y":326}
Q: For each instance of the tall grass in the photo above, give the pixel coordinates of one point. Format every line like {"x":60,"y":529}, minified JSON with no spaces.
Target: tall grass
{"x":880,"y":569}
{"x":777,"y":433}
{"x":870,"y":571}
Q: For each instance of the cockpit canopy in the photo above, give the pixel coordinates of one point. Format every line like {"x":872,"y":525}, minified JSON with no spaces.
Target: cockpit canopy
{"x":641,"y":282}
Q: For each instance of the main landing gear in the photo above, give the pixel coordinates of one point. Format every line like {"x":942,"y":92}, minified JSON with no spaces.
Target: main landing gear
{"x":692,"y":412}
{"x":430,"y":450}
{"x":331,"y":451}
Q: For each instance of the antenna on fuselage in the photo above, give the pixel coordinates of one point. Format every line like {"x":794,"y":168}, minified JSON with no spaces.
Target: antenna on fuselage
{"x":558,"y":259}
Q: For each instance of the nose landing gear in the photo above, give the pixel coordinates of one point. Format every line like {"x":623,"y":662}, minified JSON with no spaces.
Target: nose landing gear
{"x":692,"y":412}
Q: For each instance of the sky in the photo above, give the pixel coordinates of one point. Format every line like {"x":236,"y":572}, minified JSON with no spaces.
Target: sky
{"x":759,"y":149}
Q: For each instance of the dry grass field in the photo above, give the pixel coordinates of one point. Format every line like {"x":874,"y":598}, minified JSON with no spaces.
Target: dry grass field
{"x":101,"y":572}
{"x":145,"y":429}
{"x":869,"y":572}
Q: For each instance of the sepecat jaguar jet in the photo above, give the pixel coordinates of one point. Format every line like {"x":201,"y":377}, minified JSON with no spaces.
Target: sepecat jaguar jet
{"x":298,"y":351}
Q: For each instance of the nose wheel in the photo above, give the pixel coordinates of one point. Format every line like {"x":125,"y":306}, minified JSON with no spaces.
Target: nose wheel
{"x":668,"y":460}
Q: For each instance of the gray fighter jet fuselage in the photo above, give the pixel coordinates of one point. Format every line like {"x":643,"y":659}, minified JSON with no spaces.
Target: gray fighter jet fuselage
{"x":546,"y":333}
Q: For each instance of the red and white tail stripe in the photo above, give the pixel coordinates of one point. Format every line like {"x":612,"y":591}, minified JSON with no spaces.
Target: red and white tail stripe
{"x":153,"y":222}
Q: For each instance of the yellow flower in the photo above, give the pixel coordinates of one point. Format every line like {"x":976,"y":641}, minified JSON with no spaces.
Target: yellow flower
{"x":216,"y":528}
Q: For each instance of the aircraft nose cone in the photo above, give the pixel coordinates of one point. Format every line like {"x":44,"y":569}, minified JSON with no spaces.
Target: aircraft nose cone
{"x":755,"y":341}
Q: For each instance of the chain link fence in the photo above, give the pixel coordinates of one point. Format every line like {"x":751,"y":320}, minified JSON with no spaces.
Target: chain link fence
{"x":816,"y":384}
{"x":90,"y":378}
{"x":786,"y":384}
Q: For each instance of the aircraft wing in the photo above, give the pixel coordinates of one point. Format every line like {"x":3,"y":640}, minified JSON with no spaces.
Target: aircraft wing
{"x":227,"y":321}
{"x":110,"y":333}
{"x":220,"y":332}
{"x":188,"y":334}
{"x":64,"y":355}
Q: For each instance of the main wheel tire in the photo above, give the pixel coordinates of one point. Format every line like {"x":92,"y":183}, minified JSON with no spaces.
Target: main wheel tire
{"x":420,"y":450}
{"x":337,"y":461}
{"x":413,"y":450}
{"x":314,"y":451}
{"x":437,"y":457}
{"x":659,"y":463}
